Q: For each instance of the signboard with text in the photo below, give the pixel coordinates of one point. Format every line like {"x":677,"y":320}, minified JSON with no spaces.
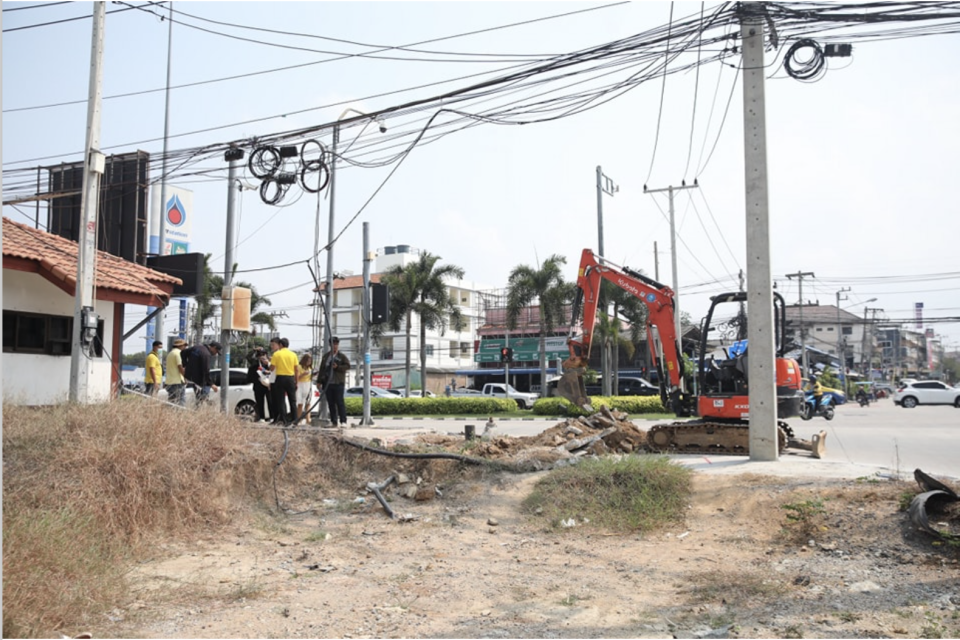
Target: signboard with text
{"x":524,"y":349}
{"x":381,"y":380}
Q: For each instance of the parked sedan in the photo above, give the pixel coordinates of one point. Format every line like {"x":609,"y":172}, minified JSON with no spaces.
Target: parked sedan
{"x":414,"y":393}
{"x":911,"y":394}
{"x":375,"y":392}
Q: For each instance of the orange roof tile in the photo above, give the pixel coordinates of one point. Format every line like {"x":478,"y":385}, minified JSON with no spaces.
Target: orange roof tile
{"x":56,"y":258}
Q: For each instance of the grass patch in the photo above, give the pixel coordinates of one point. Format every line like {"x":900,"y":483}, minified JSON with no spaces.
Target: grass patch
{"x":734,"y":588}
{"x":804,"y":518}
{"x":635,"y":493}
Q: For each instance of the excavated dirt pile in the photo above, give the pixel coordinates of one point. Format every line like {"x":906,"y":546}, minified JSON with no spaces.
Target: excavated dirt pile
{"x":604,"y":432}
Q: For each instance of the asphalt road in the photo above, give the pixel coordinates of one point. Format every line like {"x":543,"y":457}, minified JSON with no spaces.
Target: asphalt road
{"x":881,"y":437}
{"x":926,"y":437}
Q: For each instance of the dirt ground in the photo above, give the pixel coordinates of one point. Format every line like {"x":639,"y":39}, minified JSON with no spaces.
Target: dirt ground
{"x":462,"y":560}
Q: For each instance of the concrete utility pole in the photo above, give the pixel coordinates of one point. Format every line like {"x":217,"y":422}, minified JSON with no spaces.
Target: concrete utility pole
{"x":841,"y":351}
{"x":608,"y":186}
{"x":800,"y":275}
{"x":656,"y":263}
{"x":866,"y":311}
{"x":84,"y":318}
{"x":761,"y":363}
{"x":673,"y":259}
{"x":226,"y":304}
{"x":158,"y":324}
{"x":368,"y":257}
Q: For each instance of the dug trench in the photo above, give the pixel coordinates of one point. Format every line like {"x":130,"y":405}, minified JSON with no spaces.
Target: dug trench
{"x":753,"y":557}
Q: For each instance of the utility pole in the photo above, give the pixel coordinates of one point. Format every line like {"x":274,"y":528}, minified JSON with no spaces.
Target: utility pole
{"x":84,"y":317}
{"x":800,"y":275}
{"x":656,"y":263}
{"x":673,"y":260}
{"x":840,"y":349}
{"x":866,"y":311}
{"x":232,"y":156}
{"x":762,"y":371}
{"x":608,"y":186}
{"x":368,"y":256}
{"x":158,"y":324}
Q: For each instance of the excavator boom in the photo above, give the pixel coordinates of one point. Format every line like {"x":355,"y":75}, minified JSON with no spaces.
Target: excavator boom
{"x":659,"y":300}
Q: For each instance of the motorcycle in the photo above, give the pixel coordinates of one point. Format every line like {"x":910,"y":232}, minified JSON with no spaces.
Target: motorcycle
{"x":811,"y":408}
{"x":863,"y":400}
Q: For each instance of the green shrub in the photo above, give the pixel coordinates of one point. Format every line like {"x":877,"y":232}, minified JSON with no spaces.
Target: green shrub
{"x":431,"y":406}
{"x":629,"y":404}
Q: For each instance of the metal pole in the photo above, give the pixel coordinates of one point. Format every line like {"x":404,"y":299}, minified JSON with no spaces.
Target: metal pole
{"x":328,"y":299}
{"x":80,"y":359}
{"x":800,"y":275}
{"x":158,"y":325}
{"x":673,"y":263}
{"x":226,"y":306}
{"x":600,"y":211}
{"x":843,"y":360}
{"x":365,"y":325}
{"x":761,"y":364}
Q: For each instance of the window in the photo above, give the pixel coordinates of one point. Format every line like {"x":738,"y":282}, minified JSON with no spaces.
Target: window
{"x":40,"y":333}
{"x":429,"y":349}
{"x":847,"y":331}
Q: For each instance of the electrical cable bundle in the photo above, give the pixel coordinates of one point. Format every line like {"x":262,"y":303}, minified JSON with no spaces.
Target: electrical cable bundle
{"x":268,"y":164}
{"x":807,"y":69}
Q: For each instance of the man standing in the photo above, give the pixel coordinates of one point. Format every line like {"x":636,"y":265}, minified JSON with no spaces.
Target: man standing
{"x":175,"y":371}
{"x":198,"y":370}
{"x":333,"y":377}
{"x":287,"y":367}
{"x":154,"y":375}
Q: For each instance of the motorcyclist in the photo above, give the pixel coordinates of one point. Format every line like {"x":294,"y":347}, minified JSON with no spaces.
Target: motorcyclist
{"x":862,"y":396}
{"x":817,"y":390}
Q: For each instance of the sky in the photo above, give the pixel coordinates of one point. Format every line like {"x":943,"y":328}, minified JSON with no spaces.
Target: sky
{"x":861,"y":163}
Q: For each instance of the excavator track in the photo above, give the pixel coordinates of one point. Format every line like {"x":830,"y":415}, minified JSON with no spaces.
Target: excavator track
{"x":715,"y":438}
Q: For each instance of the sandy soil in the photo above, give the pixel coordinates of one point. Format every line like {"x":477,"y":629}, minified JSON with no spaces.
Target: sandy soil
{"x":470,"y":564}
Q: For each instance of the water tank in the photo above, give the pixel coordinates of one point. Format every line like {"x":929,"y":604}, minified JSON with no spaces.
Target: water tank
{"x":389,"y":250}
{"x":403,"y":248}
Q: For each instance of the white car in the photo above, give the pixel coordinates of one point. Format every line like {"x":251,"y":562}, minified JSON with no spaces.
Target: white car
{"x":242,"y":402}
{"x":463,"y":392}
{"x":414,"y":393}
{"x":911,"y":394}
{"x":375,"y":392}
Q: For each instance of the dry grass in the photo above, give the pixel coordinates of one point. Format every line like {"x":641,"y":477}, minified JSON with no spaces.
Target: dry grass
{"x":87,"y":488}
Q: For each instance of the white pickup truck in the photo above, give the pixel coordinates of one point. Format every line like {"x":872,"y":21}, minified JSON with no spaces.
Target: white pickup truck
{"x":496,"y":390}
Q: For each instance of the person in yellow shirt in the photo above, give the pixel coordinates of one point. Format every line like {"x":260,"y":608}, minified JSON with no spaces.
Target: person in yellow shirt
{"x":304,"y":387}
{"x":175,"y":374}
{"x":154,"y":375}
{"x":284,"y":363}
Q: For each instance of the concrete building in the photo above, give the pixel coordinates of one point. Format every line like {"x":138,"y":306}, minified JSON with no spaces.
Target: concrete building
{"x":829,"y":330}
{"x":447,"y":352}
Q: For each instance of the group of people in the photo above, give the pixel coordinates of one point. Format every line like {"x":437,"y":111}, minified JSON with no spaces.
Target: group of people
{"x":282,"y":383}
{"x":194,"y":369}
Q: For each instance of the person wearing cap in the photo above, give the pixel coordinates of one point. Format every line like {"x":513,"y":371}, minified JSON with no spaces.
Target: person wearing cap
{"x":175,"y":373}
{"x":198,"y":370}
{"x":285,"y":364}
{"x":154,"y":375}
{"x":333,"y":378}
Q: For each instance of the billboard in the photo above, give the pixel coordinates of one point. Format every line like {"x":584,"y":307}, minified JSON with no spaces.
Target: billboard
{"x":179,"y":220}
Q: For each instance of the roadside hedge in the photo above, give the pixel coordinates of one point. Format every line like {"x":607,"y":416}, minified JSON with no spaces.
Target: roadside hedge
{"x":431,"y":406}
{"x":628,"y":404}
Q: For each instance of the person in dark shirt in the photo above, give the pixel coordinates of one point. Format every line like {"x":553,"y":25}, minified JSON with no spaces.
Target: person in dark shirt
{"x":198,"y":370}
{"x":258,"y":374}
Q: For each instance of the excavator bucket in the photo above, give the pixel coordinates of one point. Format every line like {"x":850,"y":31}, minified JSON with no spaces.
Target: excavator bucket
{"x":570,"y":386}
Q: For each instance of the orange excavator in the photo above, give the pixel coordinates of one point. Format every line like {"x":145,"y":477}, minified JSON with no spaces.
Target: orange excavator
{"x":721,"y":403}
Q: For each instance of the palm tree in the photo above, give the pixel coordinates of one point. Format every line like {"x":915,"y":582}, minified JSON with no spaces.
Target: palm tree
{"x":419,"y":288}
{"x":547,"y":285}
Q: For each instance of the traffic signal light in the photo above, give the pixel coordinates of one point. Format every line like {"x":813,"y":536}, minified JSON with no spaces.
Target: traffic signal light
{"x":506,"y":354}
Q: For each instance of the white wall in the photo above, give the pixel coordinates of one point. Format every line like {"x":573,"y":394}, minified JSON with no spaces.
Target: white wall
{"x":33,"y":379}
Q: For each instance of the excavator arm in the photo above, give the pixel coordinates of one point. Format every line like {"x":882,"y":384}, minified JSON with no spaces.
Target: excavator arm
{"x":661,"y":330}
